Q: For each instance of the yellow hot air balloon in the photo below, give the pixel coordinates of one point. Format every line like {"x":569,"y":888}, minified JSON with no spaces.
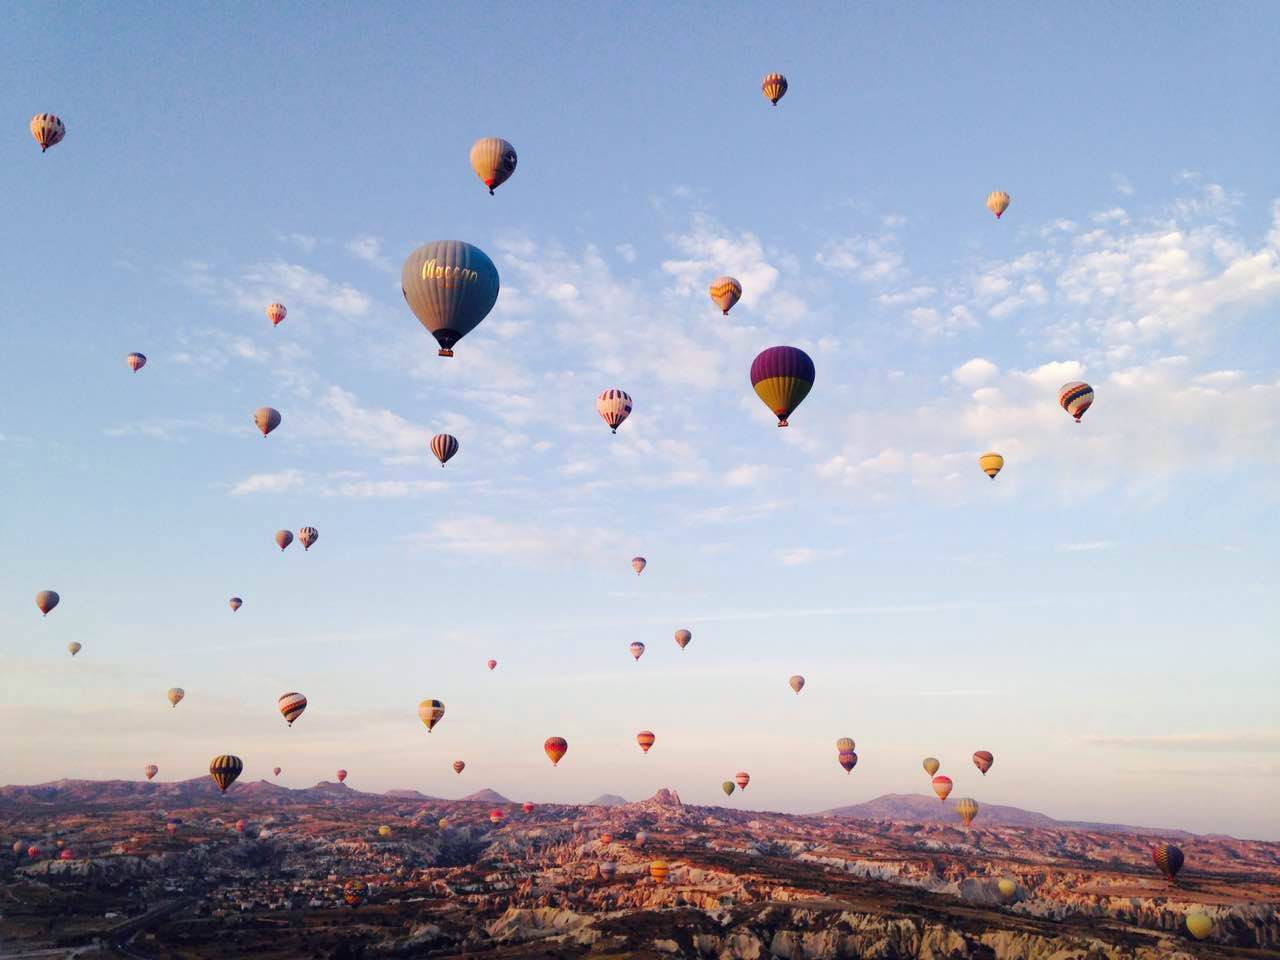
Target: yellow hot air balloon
{"x":443,"y":823}
{"x":845,"y":745}
{"x":74,"y":647}
{"x":725,"y":291}
{"x":493,"y":160}
{"x":176,"y":694}
{"x":774,"y":87}
{"x":225,"y":769}
{"x":384,"y":831}
{"x":1198,"y":924}
{"x":968,"y":809}
{"x":659,"y":870}
{"x":997,"y":202}
{"x":991,"y":464}
{"x":1007,"y":888}
{"x":931,"y":765}
{"x":430,"y":712}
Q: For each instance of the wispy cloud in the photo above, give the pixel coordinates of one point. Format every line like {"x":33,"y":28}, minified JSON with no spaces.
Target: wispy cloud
{"x":1086,"y":546}
{"x":1250,"y":741}
{"x":252,"y":288}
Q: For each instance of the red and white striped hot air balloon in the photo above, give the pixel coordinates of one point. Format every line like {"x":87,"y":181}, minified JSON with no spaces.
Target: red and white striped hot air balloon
{"x":459,"y":766}
{"x":614,"y":406}
{"x":275,"y":313}
{"x":47,"y":130}
{"x":742,"y":778}
{"x":151,"y":770}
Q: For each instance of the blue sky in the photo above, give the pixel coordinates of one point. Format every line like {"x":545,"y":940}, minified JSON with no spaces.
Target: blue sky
{"x":1101,"y":617}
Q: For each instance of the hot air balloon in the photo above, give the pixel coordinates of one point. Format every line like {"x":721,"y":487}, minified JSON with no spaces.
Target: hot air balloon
{"x":645,"y":739}
{"x":991,"y":464}
{"x":796,"y":683}
{"x":450,"y":286}
{"x":46,"y":600}
{"x":1198,"y":924}
{"x":727,"y":787}
{"x":527,"y":807}
{"x":1169,"y":859}
{"x":641,"y":838}
{"x":774,"y":87}
{"x":782,"y":378}
{"x":1007,"y":888}
{"x":637,"y":649}
{"x":555,"y":747}
{"x":983,"y":761}
{"x":997,"y":202}
{"x":17,"y":848}
{"x":283,"y":538}
{"x":845,"y":744}
{"x":276,"y":771}
{"x":443,"y":823}
{"x":136,"y":361}
{"x":614,"y":406}
{"x":267,"y":419}
{"x":66,"y":855}
{"x":606,"y":838}
{"x":240,"y":826}
{"x":342,"y":776}
{"x":742,"y":778}
{"x":847,"y":759}
{"x":725,"y":291}
{"x":459,"y":766}
{"x":931,"y":765}
{"x":637,"y":564}
{"x":659,"y":870}
{"x":683,"y":637}
{"x":495,"y":816}
{"x":73,"y":647}
{"x":175,"y":695}
{"x":235,"y":603}
{"x":493,"y":160}
{"x":384,"y":831}
{"x":264,"y":834}
{"x":225,"y":769}
{"x":307,"y":536}
{"x":491,"y":664}
{"x":291,"y":706}
{"x":942,"y":786}
{"x":47,"y":130}
{"x":968,"y":809}
{"x":354,"y":892}
{"x":1075,"y":397}
{"x":430,"y":713}
{"x":151,"y":770}
{"x":275,"y":313}
{"x":33,"y":852}
{"x":608,"y":869}
{"x":444,"y":447}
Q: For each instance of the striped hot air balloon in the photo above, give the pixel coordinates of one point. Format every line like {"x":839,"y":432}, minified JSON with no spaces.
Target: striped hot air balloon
{"x":931,"y":765}
{"x":459,"y":766}
{"x":175,"y":695}
{"x":136,"y":361}
{"x":342,"y":776}
{"x":637,"y":564}
{"x":659,"y":870}
{"x":291,"y":706}
{"x":782,"y":378}
{"x":493,"y":160}
{"x":845,"y":744}
{"x":983,"y":761}
{"x":46,"y":600}
{"x":682,"y":638}
{"x":725,"y":291}
{"x":968,"y":809}
{"x":283,"y":538}
{"x":307,"y":536}
{"x":742,"y":778}
{"x":645,"y":739}
{"x":1169,"y":859}
{"x":637,"y":649}
{"x":991,"y":464}
{"x":444,"y":446}
{"x":235,"y":603}
{"x":73,"y":648}
{"x":942,"y":786}
{"x":267,"y":419}
{"x":151,"y":770}
{"x":847,"y":759}
{"x":796,"y":683}
{"x":275,"y":313}
{"x":47,"y":130}
{"x":450,"y":286}
{"x":430,"y":713}
{"x":727,"y":787}
{"x":555,"y":747}
{"x":491,"y":664}
{"x":354,"y":893}
{"x":997,"y":202}
{"x":774,"y":87}
{"x":614,"y":406}
{"x":1075,"y":397}
{"x":225,"y":769}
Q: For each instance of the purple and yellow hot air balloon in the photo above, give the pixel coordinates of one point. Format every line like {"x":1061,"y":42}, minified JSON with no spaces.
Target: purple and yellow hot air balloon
{"x":136,"y":361}
{"x":430,"y":712}
{"x":307,"y":536}
{"x":782,"y":378}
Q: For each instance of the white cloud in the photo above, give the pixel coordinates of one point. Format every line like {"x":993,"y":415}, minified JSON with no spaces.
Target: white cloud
{"x":973,"y":373}
{"x":872,"y":260}
{"x":259,"y":284}
{"x":479,"y":536}
{"x":368,"y":248}
{"x":800,"y":556}
{"x":268,"y":483}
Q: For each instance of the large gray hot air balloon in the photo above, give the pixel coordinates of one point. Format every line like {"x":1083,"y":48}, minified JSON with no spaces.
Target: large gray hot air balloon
{"x":450,"y":286}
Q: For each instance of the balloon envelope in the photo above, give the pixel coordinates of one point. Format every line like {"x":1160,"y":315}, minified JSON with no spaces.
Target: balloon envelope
{"x":136,"y":361}
{"x":847,"y":759}
{"x":444,"y":446}
{"x":742,"y":778}
{"x":459,"y":766}
{"x":931,"y":765}
{"x":307,"y":536}
{"x":74,"y":647}
{"x":491,"y":664}
{"x":645,"y":739}
{"x":1199,"y":925}
{"x":236,"y":603}
{"x":968,"y":809}
{"x":637,"y":564}
{"x":796,"y":683}
{"x":1076,"y":397}
{"x":774,"y":87}
{"x":267,"y":419}
{"x":727,"y":787}
{"x":291,"y":706}
{"x":782,"y":378}
{"x":342,"y":776}
{"x":175,"y":695}
{"x":225,"y":769}
{"x":991,"y":464}
{"x":430,"y":712}
{"x":983,"y":760}
{"x":1169,"y":859}
{"x":47,"y":130}
{"x":725,"y":292}
{"x":1007,"y":888}
{"x":997,"y":202}
{"x":275,"y":313}
{"x":637,"y":649}
{"x":683,"y":637}
{"x":942,"y":786}
{"x":494,"y":161}
{"x":450,"y":286}
{"x":845,"y":744}
{"x":46,"y":600}
{"x":614,"y":406}
{"x":283,"y":538}
{"x":555,"y":748}
{"x":151,"y":770}
{"x":659,"y":870}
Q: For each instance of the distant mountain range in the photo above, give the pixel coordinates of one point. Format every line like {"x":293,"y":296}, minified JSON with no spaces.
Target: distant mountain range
{"x":486,"y":796}
{"x":607,"y":800}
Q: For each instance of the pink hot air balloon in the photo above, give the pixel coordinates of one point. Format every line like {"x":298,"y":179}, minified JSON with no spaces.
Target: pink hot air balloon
{"x":637,"y":649}
{"x":66,"y":855}
{"x":683,"y":637}
{"x":796,"y":683}
{"x":458,"y":766}
{"x":942,"y":786}
{"x":491,"y":664}
{"x":342,"y":776}
{"x":528,"y":807}
{"x":742,"y":778}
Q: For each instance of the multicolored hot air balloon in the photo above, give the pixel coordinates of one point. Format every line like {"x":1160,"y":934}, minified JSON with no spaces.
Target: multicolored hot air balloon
{"x":682,"y":638}
{"x":991,"y":464}
{"x":275,"y":771}
{"x":847,"y":759}
{"x":450,"y":286}
{"x":47,"y":130}
{"x":342,"y":776}
{"x":614,"y":406}
{"x":1198,"y":924}
{"x":983,"y":760}
{"x":608,"y":869}
{"x":637,"y":564}
{"x":742,"y":778}
{"x":136,"y":361}
{"x":931,"y":765}
{"x":291,"y":706}
{"x":495,"y":816}
{"x":942,"y":786}
{"x":1075,"y":397}
{"x":796,"y":683}
{"x":151,"y":770}
{"x":774,"y":87}
{"x":307,"y":536}
{"x":235,"y":603}
{"x":493,"y":160}
{"x":527,"y":807}
{"x":968,"y":809}
{"x":275,"y":313}
{"x":73,"y":647}
{"x":637,"y":649}
{"x":459,"y":766}
{"x":555,"y":747}
{"x":725,"y":291}
{"x":997,"y":202}
{"x":1169,"y":859}
{"x":430,"y":712}
{"x":444,"y":446}
{"x":225,"y":769}
{"x":782,"y":378}
{"x":659,"y":870}
{"x":283,"y":538}
{"x":46,"y":600}
{"x":845,"y":744}
{"x":354,"y":893}
{"x":267,"y":419}
{"x":645,"y":739}
{"x":727,"y":787}
{"x":175,"y":695}
{"x":491,"y":664}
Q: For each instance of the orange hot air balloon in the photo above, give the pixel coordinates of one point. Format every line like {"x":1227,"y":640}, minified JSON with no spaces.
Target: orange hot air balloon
{"x":47,"y":129}
{"x":458,"y":766}
{"x":637,"y":649}
{"x":796,"y":683}
{"x":931,"y":765}
{"x":283,"y":538}
{"x":491,"y":664}
{"x":659,"y":870}
{"x":267,"y":419}
{"x":606,"y":838}
{"x":527,"y":807}
{"x":136,"y":361}
{"x":342,"y":776}
{"x":495,"y":816}
{"x":725,"y":291}
{"x":942,"y":786}
{"x":556,"y":747}
{"x":275,"y":313}
{"x":683,"y":637}
{"x":983,"y":761}
{"x":742,"y":778}
{"x":645,"y":738}
{"x":774,"y":87}
{"x":151,"y":770}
